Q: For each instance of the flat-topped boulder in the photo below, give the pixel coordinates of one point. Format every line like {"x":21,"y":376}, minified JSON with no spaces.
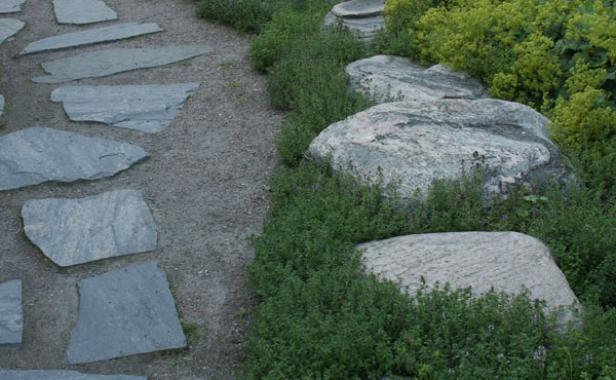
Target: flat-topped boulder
{"x":363,"y":17}
{"x":9,"y":27}
{"x":146,"y":108}
{"x":36,"y":155}
{"x":91,"y":36}
{"x":24,"y":374}
{"x":102,"y":63}
{"x":81,"y":12}
{"x":507,"y":262}
{"x":11,"y":314}
{"x":77,"y":231}
{"x":125,"y":312}
{"x":412,"y":144}
{"x":359,"y":8}
{"x":385,"y":78}
{"x":11,"y":6}
{"x":2,"y":102}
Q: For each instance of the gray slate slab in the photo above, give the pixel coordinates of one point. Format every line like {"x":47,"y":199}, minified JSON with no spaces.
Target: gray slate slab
{"x":11,"y":6}
{"x":9,"y":27}
{"x":9,"y":374}
{"x":91,"y":36}
{"x":82,"y":11}
{"x":112,"y":61}
{"x":11,"y":314}
{"x":77,"y":231}
{"x":2,"y":102}
{"x":146,"y":108}
{"x":36,"y":155}
{"x":125,"y":312}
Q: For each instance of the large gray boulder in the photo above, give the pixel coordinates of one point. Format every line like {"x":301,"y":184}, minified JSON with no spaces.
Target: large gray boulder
{"x":507,"y":262}
{"x":81,"y":12}
{"x":9,"y":27}
{"x":11,"y":314}
{"x":20,"y":374}
{"x":385,"y":78}
{"x":363,"y":17}
{"x":412,"y":144}
{"x":77,"y":231}
{"x":36,"y":155}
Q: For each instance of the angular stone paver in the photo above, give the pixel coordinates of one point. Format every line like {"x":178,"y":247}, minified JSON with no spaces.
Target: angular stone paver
{"x":412,"y":144}
{"x":82,"y":11}
{"x":385,"y":78}
{"x":11,"y":314}
{"x":11,"y":6}
{"x":8,"y":374}
{"x":124,"y":312}
{"x":146,"y":108}
{"x":91,"y":36}
{"x":35,"y":155}
{"x":107,"y":62}
{"x":9,"y":27}
{"x":364,"y":17}
{"x":505,"y":261}
{"x":77,"y":231}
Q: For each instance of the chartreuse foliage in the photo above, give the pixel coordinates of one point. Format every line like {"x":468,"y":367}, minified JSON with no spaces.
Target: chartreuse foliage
{"x":318,"y":316}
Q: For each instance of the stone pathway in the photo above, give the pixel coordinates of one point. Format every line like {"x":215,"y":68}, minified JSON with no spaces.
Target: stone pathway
{"x":84,"y":207}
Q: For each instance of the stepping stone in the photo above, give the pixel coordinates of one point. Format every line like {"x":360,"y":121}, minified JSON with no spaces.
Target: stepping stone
{"x":82,"y":11}
{"x":147,"y":108}
{"x":77,"y":231}
{"x":385,"y":78}
{"x":504,"y":261}
{"x":11,"y":6}
{"x":36,"y":155}
{"x":11,"y":314}
{"x":92,"y":36}
{"x":411,"y":144}
{"x":364,"y":17}
{"x":112,"y":61}
{"x":8,"y":374}
{"x":359,"y":8}
{"x":9,"y":27}
{"x":125,"y":312}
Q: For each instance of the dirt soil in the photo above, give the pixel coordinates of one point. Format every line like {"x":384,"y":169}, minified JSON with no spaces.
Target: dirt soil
{"x":205,"y":183}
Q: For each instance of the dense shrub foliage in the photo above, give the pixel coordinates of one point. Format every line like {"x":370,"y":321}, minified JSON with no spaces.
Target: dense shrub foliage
{"x":318,"y":316}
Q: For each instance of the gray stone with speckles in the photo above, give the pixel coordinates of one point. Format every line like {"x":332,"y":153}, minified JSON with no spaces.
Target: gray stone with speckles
{"x":81,"y":12}
{"x":9,"y":27}
{"x":11,"y":6}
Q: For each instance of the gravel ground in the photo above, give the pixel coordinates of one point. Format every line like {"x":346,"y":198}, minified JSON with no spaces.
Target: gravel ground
{"x":205,"y":183}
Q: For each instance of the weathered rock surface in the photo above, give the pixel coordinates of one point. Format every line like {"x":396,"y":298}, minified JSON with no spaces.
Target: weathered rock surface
{"x":11,"y":314}
{"x":124,"y":312}
{"x":77,"y":231}
{"x":82,"y":11}
{"x":364,"y":17}
{"x":7,"y":374}
{"x":35,"y":155}
{"x":385,"y":78}
{"x":92,"y":36}
{"x":11,"y":6}
{"x":112,"y":61}
{"x":504,"y":261}
{"x":2,"y":102}
{"x":147,"y":108}
{"x":412,"y":144}
{"x":9,"y":27}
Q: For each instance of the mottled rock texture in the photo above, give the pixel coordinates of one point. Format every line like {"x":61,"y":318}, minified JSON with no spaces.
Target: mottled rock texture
{"x":36,"y":155}
{"x":412,"y":144}
{"x":507,"y":262}
{"x":91,"y":36}
{"x":82,"y":11}
{"x":359,"y":8}
{"x":7,"y":374}
{"x":125,"y":312}
{"x":112,"y":61}
{"x":386,"y":78}
{"x":77,"y":231}
{"x":11,"y":6}
{"x":9,"y":27}
{"x":364,"y":17}
{"x":11,"y":314}
{"x":146,"y":108}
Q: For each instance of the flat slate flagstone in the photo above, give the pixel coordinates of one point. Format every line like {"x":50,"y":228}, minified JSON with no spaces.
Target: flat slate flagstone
{"x":147,"y":108}
{"x":82,"y":11}
{"x":112,"y":61}
{"x":17,"y":374}
{"x":35,"y":155}
{"x":11,"y":6}
{"x":125,"y":312}
{"x":11,"y":314}
{"x":77,"y":231}
{"x":91,"y":36}
{"x":9,"y":27}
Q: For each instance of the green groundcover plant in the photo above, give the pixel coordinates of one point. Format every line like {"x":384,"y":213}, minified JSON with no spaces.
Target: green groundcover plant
{"x":318,"y":315}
